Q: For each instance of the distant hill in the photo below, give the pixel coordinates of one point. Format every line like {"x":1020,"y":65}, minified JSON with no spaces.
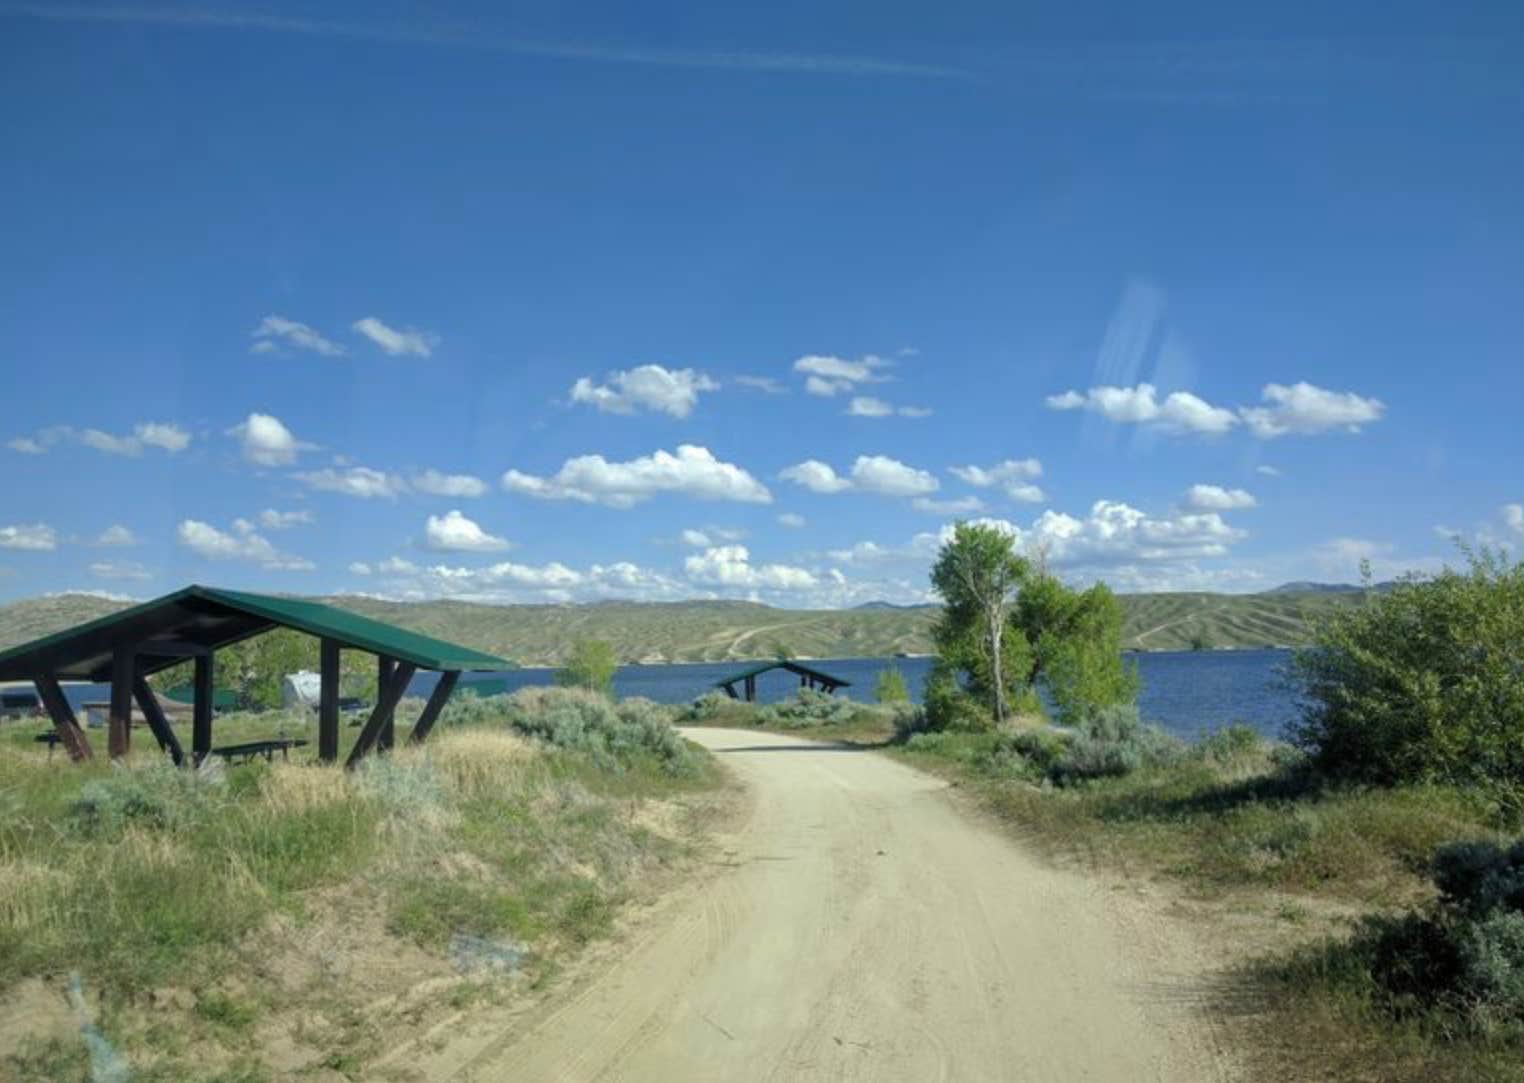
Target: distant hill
{"x":1303,"y":587}
{"x":703,"y":631}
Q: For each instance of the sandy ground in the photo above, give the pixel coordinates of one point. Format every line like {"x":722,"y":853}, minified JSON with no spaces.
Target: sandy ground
{"x":865,"y":926}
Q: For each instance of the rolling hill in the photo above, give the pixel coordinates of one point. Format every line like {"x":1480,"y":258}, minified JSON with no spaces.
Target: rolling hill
{"x":701,"y":631}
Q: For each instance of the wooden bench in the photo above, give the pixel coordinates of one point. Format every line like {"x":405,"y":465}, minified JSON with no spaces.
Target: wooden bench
{"x":50,"y":738}
{"x":249,"y":749}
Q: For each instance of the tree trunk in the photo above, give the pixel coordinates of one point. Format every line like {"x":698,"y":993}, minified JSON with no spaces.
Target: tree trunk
{"x":996,"y":628}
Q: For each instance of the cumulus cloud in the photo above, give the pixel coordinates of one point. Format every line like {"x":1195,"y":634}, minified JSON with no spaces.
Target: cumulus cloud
{"x":1513,"y":518}
{"x":163,"y":435}
{"x":1015,"y":477}
{"x":647,"y":387}
{"x":730,"y":566}
{"x":696,"y":538}
{"x":358,"y":481}
{"x":159,"y":434}
{"x":37,"y":537}
{"x":870,"y":474}
{"x":241,"y":544}
{"x":791,"y":519}
{"x":455,"y":485}
{"x":265,"y":441}
{"x":868,"y":406}
{"x":1179,"y":412}
{"x":1216,"y":498}
{"x":359,"y":567}
{"x":692,"y":471}
{"x":271,"y":519}
{"x":407,"y":342}
{"x":276,"y":333}
{"x":115,"y":536}
{"x":26,"y":445}
{"x":827,"y":376}
{"x":1304,"y":410}
{"x":1267,"y":471}
{"x":453,"y":532}
{"x":119,"y":569}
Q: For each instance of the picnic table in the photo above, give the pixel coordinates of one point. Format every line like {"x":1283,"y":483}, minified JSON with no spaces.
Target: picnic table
{"x":249,"y":749}
{"x":50,"y":738}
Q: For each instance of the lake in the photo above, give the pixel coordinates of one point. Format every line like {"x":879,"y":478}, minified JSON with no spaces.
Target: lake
{"x":1188,"y":693}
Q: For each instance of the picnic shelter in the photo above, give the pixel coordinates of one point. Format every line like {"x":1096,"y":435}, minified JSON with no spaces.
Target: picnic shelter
{"x":808,"y":678}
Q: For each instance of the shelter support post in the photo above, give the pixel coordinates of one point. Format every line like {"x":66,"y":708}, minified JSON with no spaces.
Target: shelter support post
{"x":119,"y":720}
{"x":57,"y":704}
{"x":328,"y":702}
{"x":163,"y":732}
{"x":386,"y":706}
{"x":751,"y":689}
{"x":435,"y":704}
{"x":201,"y":709}
{"x":385,"y":668}
{"x":730,"y":690}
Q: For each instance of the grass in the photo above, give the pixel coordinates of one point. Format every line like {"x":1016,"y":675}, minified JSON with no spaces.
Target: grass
{"x":204,"y":913}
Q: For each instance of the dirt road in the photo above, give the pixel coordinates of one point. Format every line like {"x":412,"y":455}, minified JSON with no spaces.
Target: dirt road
{"x":867,"y":928}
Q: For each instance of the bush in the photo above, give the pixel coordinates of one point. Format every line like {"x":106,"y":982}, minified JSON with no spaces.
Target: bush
{"x":890,"y":687}
{"x":589,"y":722}
{"x":949,"y":707}
{"x":161,"y":796}
{"x":1422,"y":682}
{"x":808,"y":707}
{"x":1113,"y":741}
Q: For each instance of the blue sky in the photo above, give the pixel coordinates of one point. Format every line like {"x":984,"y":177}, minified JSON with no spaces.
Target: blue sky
{"x":521,"y":302}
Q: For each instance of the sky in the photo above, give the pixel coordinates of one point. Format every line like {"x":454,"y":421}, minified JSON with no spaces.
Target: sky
{"x":546,"y":303}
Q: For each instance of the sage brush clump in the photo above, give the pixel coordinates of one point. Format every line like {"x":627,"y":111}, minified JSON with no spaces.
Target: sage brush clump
{"x":575,"y":718}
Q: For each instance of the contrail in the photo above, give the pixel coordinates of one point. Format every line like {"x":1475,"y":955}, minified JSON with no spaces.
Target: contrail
{"x":469,"y":37}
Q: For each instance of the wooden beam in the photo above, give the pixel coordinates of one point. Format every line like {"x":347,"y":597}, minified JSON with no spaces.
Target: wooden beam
{"x":328,"y":702}
{"x":173,"y":648}
{"x":386,"y":705}
{"x":148,"y":703}
{"x":119,"y":720}
{"x":201,"y":710}
{"x":385,"y":667}
{"x":432,"y":708}
{"x":57,"y":704}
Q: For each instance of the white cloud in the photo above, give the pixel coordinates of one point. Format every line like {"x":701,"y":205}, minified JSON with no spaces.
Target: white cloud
{"x":864,"y":552}
{"x":408,"y":342}
{"x":359,"y":567}
{"x":274,"y":332}
{"x":271,"y":519}
{"x":358,"y":481}
{"x":26,"y":445}
{"x":266,"y":441}
{"x":827,"y":376}
{"x":37,"y":537}
{"x":696,"y":538}
{"x":870,"y":474}
{"x":692,"y":471}
{"x":115,"y":536}
{"x":647,"y":387}
{"x":1179,"y":412}
{"x":396,"y":566}
{"x":1304,"y":410}
{"x":243,"y":544}
{"x":161,"y":434}
{"x":1015,"y":477}
{"x":453,"y":532}
{"x":765,"y":384}
{"x":1216,"y":498}
{"x":113,"y":569}
{"x":961,"y":506}
{"x":1513,"y":518}
{"x":816,"y":476}
{"x":868,"y":406}
{"x":1267,"y":471}
{"x":454,"y":485}
{"x":890,"y":477}
{"x":791,"y":519}
{"x":111,"y":445}
{"x":730,"y":566}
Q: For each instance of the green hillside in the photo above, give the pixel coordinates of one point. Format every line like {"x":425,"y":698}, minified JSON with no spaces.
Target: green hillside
{"x":715,"y":631}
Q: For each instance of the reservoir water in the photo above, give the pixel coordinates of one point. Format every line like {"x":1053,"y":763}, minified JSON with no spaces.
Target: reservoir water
{"x":1188,"y":693}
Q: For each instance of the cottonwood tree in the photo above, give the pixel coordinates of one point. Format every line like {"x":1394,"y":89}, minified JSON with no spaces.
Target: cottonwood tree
{"x":979,"y":576}
{"x":591,"y":666}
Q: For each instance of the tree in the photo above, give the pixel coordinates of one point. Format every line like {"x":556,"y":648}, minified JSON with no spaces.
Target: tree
{"x":1422,"y":682}
{"x":253,"y":669}
{"x":890,"y":686}
{"x":979,"y":575}
{"x":1081,"y":654}
{"x":591,"y":666}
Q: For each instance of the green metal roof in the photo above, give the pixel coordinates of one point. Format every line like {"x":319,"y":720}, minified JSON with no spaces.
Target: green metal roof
{"x":211,"y":618}
{"x":788,"y":664}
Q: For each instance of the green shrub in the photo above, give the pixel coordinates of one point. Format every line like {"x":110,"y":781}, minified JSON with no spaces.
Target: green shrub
{"x":1113,"y":741}
{"x":711,"y":705}
{"x":1422,"y":683}
{"x":949,"y":706}
{"x":808,"y":707}
{"x":589,"y":722}
{"x":161,"y":796}
{"x":890,"y":686}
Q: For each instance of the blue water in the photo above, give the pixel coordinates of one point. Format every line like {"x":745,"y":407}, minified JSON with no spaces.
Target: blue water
{"x":1189,"y":693}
